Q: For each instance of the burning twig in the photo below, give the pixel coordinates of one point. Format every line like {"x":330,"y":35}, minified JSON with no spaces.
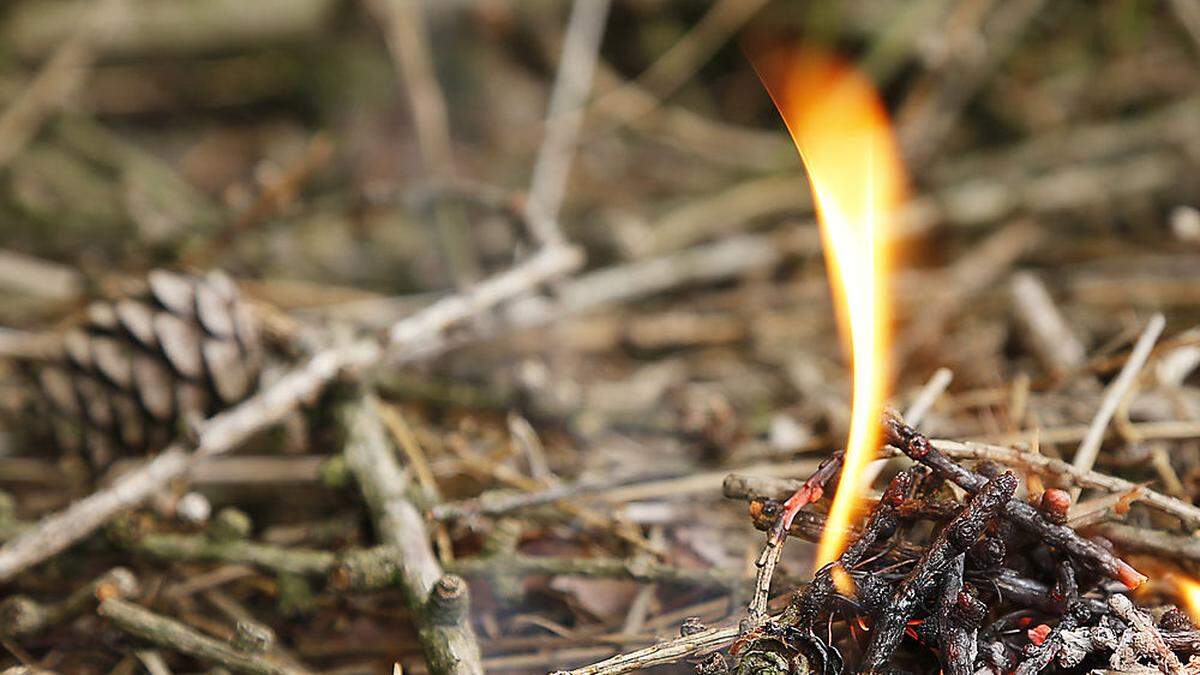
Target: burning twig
{"x":807,"y":605}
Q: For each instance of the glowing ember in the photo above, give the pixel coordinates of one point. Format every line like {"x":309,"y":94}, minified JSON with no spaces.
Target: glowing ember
{"x":1189,"y":593}
{"x":838,"y":123}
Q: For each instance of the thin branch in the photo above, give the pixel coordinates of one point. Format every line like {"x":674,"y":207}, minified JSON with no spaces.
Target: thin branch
{"x":1085,"y":455}
{"x":1043,"y":325}
{"x":740,"y":485}
{"x":1189,"y":514}
{"x":443,"y":628}
{"x":421,"y":335}
{"x":278,"y":559}
{"x":176,"y":636}
{"x":1188,"y":13}
{"x":662,"y":653}
{"x":929,"y":393}
{"x":565,"y":117}
{"x":21,"y":615}
{"x":407,"y":35}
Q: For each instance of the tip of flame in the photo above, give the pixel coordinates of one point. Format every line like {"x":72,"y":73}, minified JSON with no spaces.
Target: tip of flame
{"x":840,"y":126}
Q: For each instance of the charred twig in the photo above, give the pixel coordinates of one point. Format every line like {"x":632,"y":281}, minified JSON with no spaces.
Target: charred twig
{"x":959,"y":535}
{"x":1022,"y":514}
{"x":959,"y":613}
{"x":808,"y":604}
{"x":880,"y":526}
{"x":809,"y":492}
{"x":1039,"y":655}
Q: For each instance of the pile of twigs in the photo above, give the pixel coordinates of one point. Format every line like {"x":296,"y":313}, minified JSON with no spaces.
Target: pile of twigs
{"x":992,"y":563}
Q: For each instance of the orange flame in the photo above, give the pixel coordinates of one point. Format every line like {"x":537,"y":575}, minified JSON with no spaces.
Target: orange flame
{"x":840,"y":126}
{"x":1189,"y":592}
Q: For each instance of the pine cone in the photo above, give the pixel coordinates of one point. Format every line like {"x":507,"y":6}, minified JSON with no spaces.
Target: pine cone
{"x":138,"y":367}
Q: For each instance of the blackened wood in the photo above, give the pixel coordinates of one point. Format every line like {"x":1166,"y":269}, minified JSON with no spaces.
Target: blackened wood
{"x":952,"y":541}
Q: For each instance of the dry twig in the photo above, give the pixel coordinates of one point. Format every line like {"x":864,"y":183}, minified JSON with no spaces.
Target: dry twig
{"x":173,"y":635}
{"x":565,"y":117}
{"x":441,"y":618}
{"x":1116,"y":392}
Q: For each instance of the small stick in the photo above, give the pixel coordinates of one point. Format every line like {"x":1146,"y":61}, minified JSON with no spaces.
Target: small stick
{"x":21,"y":615}
{"x":1085,"y":455}
{"x":437,"y":601}
{"x":1188,"y":513}
{"x":407,"y":35}
{"x":914,"y":415}
{"x":590,"y":516}
{"x":1037,"y":657}
{"x":662,"y":653}
{"x":1123,"y":607}
{"x":1044,"y":328}
{"x":639,"y":97}
{"x":1136,"y":538}
{"x":173,"y":635}
{"x":564,"y":118}
{"x":176,"y":547}
{"x":952,"y":541}
{"x":375,"y":568}
{"x":927,"y":396}
{"x":495,"y":504}
{"x":958,"y":616}
{"x":421,"y":334}
{"x":883,"y":520}
{"x":809,"y":492}
{"x":1188,"y":14}
{"x":742,"y":486}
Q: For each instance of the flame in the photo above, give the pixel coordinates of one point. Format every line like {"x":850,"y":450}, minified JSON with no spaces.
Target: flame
{"x":1189,"y":592}
{"x":841,"y":129}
